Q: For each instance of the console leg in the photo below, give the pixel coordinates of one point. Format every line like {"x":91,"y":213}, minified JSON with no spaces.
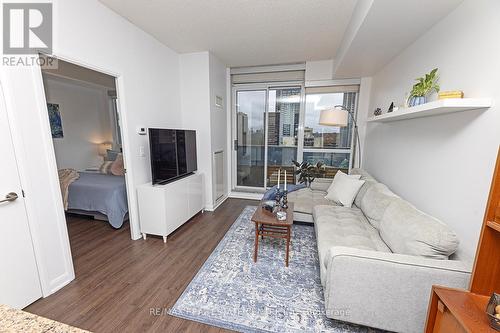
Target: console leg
{"x":144,"y":236}
{"x":165,"y":239}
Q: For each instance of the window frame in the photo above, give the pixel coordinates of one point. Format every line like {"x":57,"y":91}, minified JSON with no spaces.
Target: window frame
{"x":267,"y":86}
{"x":235,"y":87}
{"x":352,"y":150}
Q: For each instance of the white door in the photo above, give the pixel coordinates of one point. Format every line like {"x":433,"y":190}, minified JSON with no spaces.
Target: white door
{"x":19,"y":280}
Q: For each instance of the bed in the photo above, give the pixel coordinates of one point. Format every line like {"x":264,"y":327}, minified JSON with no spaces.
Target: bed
{"x":102,"y":193}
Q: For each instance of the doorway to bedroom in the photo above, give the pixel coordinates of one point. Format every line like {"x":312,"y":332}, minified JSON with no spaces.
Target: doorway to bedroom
{"x":86,"y":134}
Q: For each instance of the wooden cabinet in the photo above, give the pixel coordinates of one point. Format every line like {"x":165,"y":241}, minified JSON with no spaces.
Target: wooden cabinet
{"x":164,"y":208}
{"x":455,"y":310}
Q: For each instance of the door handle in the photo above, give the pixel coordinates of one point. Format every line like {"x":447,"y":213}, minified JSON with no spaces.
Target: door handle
{"x":10,"y":197}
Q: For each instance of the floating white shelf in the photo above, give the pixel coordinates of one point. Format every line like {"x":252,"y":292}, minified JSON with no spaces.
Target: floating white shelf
{"x":434,"y":108}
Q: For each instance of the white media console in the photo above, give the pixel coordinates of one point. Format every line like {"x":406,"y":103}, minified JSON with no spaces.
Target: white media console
{"x":164,"y":208}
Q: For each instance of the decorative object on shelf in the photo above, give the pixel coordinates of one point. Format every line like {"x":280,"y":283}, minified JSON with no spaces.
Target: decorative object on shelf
{"x":434,"y":108}
{"x":55,"y":121}
{"x":339,"y":116}
{"x":377,"y":112}
{"x":451,"y":94}
{"x":424,"y":86}
{"x":307,"y":172}
{"x":417,"y":100}
{"x":391,"y":107}
{"x":493,"y":311}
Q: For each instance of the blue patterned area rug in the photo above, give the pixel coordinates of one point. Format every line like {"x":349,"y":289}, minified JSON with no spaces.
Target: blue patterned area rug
{"x":233,"y":292}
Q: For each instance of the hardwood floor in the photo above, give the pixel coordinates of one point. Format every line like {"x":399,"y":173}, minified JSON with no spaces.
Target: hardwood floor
{"x":119,"y":281}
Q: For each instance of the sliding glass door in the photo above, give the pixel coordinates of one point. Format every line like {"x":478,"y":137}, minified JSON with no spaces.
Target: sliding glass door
{"x":250,"y":137}
{"x":267,"y":134}
{"x":276,"y":124}
{"x":283,"y":131}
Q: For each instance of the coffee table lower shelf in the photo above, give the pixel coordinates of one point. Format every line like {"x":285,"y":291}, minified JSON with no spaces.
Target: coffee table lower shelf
{"x":267,"y":225}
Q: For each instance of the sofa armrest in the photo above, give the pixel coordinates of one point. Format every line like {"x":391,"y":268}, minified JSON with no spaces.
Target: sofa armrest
{"x":386,"y":290}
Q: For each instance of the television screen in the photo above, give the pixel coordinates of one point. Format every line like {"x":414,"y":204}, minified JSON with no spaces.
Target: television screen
{"x":173,"y":154}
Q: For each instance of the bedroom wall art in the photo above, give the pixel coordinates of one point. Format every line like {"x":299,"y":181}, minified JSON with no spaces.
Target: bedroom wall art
{"x":55,"y":120}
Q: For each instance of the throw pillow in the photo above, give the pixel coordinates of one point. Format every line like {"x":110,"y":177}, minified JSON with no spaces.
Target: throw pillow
{"x":117,"y":168}
{"x":341,"y":174}
{"x":344,"y":189}
{"x":105,"y":168}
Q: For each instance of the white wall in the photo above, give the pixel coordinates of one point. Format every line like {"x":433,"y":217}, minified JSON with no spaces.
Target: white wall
{"x":443,"y":164}
{"x":218,"y":117}
{"x":85,"y":115}
{"x":365,"y":87}
{"x":88,"y":33}
{"x":319,"y":70}
{"x":203,"y":77}
{"x":195,"y":104}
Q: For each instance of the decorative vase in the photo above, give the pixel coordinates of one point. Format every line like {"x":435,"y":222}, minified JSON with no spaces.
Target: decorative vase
{"x":417,"y":100}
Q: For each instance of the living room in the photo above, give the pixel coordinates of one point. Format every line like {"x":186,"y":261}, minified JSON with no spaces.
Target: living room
{"x":290,"y":166}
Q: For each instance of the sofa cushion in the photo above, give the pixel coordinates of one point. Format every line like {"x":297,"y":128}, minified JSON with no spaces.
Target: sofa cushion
{"x":375,"y":201}
{"x":342,"y":226}
{"x":362,"y":191}
{"x":406,"y":230}
{"x":321,"y":184}
{"x":364,"y":175}
{"x":369,"y":181}
{"x":305,"y":199}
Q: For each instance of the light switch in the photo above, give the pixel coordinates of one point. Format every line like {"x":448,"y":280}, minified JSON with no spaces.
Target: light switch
{"x":141,"y":151}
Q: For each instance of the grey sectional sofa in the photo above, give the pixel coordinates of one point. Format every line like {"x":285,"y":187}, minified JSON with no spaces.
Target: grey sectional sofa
{"x":379,"y":259}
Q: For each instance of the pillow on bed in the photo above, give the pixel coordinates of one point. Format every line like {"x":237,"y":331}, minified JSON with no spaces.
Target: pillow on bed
{"x":117,"y":168}
{"x":105,"y":168}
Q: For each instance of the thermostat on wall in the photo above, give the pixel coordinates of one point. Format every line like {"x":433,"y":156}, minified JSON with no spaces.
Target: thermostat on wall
{"x":141,"y":130}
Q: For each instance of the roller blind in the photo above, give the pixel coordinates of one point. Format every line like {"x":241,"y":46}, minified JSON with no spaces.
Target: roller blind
{"x":284,"y":76}
{"x":332,"y":89}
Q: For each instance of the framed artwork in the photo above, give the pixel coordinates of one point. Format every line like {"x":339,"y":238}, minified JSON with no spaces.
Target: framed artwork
{"x":55,"y":120}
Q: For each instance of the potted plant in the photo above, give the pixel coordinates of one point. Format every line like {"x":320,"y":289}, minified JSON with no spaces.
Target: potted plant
{"x":307,"y":172}
{"x":424,"y":86}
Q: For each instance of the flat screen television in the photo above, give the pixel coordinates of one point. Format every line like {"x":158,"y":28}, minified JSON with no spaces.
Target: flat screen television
{"x":173,"y":154}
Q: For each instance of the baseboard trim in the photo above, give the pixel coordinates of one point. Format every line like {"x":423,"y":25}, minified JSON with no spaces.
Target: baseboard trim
{"x":246,"y":195}
{"x":221,"y":201}
{"x":60,"y":282}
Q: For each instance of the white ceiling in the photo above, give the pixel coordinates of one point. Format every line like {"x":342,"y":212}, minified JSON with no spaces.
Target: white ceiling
{"x":244,"y":32}
{"x":383,"y":29}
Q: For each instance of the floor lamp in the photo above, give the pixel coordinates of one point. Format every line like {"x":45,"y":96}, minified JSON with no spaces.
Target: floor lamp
{"x":339,"y":116}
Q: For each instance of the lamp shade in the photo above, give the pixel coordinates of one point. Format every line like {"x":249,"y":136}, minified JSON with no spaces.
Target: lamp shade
{"x":334,"y":117}
{"x":103,"y":147}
